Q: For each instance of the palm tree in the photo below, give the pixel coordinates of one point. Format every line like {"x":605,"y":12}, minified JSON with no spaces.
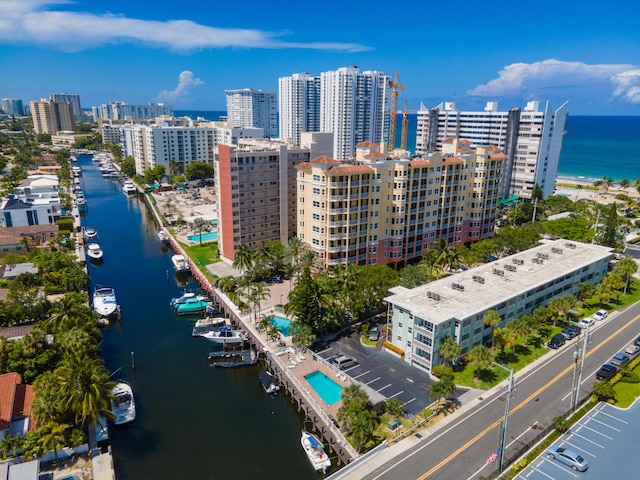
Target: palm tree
{"x":257,"y":293}
{"x":604,"y":293}
{"x":53,"y":437}
{"x":69,"y":312}
{"x":394,"y":407}
{"x":363,"y":426}
{"x":243,"y":258}
{"x":449,"y":349}
{"x":85,"y":387}
{"x":624,"y":184}
{"x":200,"y":225}
{"x":505,"y":337}
{"x":627,"y":267}
{"x":302,"y":335}
{"x":441,"y":389}
{"x":492,"y":319}
{"x":481,"y":357}
{"x":607,"y":183}
{"x":579,"y":189}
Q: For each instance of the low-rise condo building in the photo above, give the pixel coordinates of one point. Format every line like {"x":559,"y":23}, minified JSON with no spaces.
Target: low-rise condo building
{"x":455,"y":306}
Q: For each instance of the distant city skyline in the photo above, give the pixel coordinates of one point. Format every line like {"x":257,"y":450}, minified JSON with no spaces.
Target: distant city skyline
{"x":188,"y":55}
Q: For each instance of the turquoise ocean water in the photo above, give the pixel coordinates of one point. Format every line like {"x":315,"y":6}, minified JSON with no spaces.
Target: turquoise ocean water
{"x":593,"y":146}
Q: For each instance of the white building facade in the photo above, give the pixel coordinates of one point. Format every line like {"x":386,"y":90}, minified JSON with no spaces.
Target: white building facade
{"x":531,"y":139}
{"x":124,"y":111}
{"x":248,"y":108}
{"x":455,"y":306}
{"x":299,"y":106}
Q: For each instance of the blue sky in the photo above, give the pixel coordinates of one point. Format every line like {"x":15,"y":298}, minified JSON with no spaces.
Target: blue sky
{"x":187,"y":53}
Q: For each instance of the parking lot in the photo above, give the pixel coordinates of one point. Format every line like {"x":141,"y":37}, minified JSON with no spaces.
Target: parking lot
{"x":607,"y":438}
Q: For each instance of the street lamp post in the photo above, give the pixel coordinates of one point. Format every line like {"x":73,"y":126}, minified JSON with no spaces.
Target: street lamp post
{"x":505,"y":421}
{"x":587,"y":340}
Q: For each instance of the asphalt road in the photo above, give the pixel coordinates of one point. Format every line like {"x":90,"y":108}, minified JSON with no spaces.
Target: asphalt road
{"x":461,"y":449}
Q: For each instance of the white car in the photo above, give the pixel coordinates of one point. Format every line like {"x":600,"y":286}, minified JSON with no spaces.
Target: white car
{"x":586,"y":322}
{"x":600,"y":315}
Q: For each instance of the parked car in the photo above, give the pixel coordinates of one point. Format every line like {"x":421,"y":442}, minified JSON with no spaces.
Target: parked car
{"x":600,"y":315}
{"x":557,"y":341}
{"x":374,"y":334}
{"x":619,"y":359}
{"x":343,"y":361}
{"x":606,"y":372}
{"x":637,"y":341}
{"x":568,"y":457}
{"x":632,"y":349}
{"x":586,"y":322}
{"x":275,"y":279}
{"x":571,"y":331}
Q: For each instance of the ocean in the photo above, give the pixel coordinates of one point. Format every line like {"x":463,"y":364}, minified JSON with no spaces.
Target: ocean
{"x":593,"y":146}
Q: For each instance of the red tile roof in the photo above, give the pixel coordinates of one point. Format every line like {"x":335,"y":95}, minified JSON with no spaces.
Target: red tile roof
{"x":367,"y":145}
{"x":350,"y":169}
{"x":420,"y":163}
{"x":324,"y":160}
{"x":305,"y":165}
{"x":16,"y":399}
{"x":498,"y":155}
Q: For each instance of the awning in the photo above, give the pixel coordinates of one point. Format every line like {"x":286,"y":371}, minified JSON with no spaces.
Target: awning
{"x":508,"y":200}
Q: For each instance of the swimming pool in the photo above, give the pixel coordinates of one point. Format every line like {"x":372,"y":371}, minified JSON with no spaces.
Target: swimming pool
{"x":206,"y":237}
{"x":282,"y":324}
{"x":328,"y":390}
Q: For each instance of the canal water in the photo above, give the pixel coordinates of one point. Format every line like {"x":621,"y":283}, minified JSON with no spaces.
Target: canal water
{"x":193,"y":421}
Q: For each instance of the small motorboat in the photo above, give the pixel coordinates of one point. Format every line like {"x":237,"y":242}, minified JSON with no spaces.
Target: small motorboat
{"x":269,"y":383}
{"x":123,"y":404}
{"x":129,"y":187}
{"x":94,"y":252}
{"x":163,"y":236}
{"x":226,"y":336}
{"x":190,"y":304}
{"x":209,"y":324}
{"x":90,"y":233}
{"x":180,"y":263}
{"x":104,"y":301}
{"x":314,"y":449}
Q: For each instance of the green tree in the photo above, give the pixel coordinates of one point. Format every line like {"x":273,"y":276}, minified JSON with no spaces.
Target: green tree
{"x":243,"y":258}
{"x":604,"y":391}
{"x":626,"y":267}
{"x":561,"y":424}
{"x":394,"y":407}
{"x":53,"y":437}
{"x":492,"y":319}
{"x":449,"y":349}
{"x":441,"y":389}
{"x":609,"y":235}
{"x":354,"y":400}
{"x":302,"y":335}
{"x":481,"y":357}
{"x":199,"y":170}
{"x":128,"y":166}
{"x":537,"y":194}
{"x":258,"y":292}
{"x":363,"y":427}
{"x":200,"y":225}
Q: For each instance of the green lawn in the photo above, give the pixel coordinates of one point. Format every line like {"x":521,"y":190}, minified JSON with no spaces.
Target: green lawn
{"x":202,"y":254}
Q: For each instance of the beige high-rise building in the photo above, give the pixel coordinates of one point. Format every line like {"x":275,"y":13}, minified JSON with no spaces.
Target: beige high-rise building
{"x":52,"y":117}
{"x":382,"y":210}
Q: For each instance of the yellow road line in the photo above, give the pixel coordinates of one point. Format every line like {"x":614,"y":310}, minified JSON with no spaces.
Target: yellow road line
{"x":518,"y":407}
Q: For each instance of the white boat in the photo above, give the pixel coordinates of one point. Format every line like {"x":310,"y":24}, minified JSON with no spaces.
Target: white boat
{"x":104,"y":301}
{"x":225,"y":335}
{"x":81,"y":202}
{"x":180,"y":263}
{"x":209,"y":324}
{"x":90,"y":233}
{"x":129,"y":187}
{"x":269,"y":383}
{"x":163,"y":236}
{"x":314,"y":449}
{"x":94,"y":251}
{"x":123,"y":404}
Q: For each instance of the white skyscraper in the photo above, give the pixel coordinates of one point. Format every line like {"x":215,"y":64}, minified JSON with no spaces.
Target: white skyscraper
{"x":13,"y":106}
{"x":248,"y":108}
{"x":345,"y":102}
{"x":299,"y":103}
{"x":530,"y":138}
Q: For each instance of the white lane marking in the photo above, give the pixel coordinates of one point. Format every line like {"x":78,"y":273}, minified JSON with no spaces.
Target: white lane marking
{"x":358,"y":376}
{"x":602,"y":412}
{"x":374,"y":380}
{"x":596,"y":431}
{"x":396,"y":394}
{"x":380,"y":389}
{"x":593,"y":419}
{"x":588,"y":440}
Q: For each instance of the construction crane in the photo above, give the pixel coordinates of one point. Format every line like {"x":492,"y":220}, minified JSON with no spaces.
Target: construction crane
{"x":394,"y":110}
{"x":405,"y":127}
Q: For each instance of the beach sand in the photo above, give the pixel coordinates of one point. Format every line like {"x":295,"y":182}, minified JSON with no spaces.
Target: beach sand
{"x":588,"y":191}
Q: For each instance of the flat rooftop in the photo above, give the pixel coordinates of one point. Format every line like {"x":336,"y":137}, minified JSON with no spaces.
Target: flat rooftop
{"x":473,"y":291}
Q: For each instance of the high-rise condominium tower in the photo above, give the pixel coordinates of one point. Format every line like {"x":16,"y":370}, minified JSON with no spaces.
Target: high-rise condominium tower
{"x":531,"y":139}
{"x":350,"y":104}
{"x":52,"y":117}
{"x":72,"y":98}
{"x":249,"y":108}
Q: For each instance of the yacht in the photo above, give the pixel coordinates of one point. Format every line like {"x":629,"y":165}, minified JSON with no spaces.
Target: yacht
{"x":190,"y":304}
{"x":269,"y":383}
{"x":205,"y":325}
{"x":104,"y":301}
{"x":314,"y":449}
{"x":225,"y":336}
{"x":129,"y":187}
{"x":163,"y":236}
{"x":180,"y":263}
{"x":123,"y":404}
{"x":94,"y":252}
{"x":90,"y":233}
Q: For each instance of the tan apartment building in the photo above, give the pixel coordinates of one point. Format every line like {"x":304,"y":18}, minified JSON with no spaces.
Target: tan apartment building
{"x":52,"y":117}
{"x":390,"y":211}
{"x":256,"y":192}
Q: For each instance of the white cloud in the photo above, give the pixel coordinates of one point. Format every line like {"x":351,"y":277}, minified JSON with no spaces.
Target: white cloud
{"x":185,"y":81}
{"x":536,"y":79}
{"x":29,"y":22}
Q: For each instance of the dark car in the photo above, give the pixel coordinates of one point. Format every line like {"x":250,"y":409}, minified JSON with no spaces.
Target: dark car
{"x":571,"y":331}
{"x":637,"y":341}
{"x":275,"y":279}
{"x":606,"y":372}
{"x":557,"y":341}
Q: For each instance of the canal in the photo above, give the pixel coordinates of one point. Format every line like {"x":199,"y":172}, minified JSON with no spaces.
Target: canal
{"x":193,"y":421}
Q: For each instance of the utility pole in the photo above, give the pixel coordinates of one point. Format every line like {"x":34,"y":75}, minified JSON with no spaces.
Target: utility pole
{"x":505,"y":421}
{"x":587,"y":341}
{"x":535,"y":207}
